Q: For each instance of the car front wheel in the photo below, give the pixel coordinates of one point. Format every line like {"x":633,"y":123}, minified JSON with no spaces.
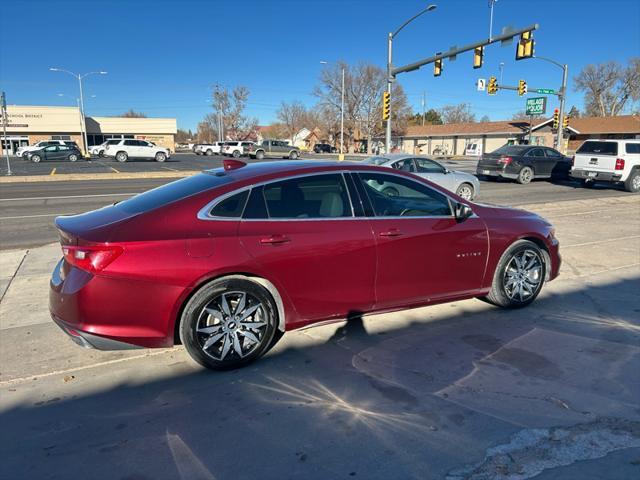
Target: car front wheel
{"x":35,"y":158}
{"x":229,"y":323}
{"x":73,"y":157}
{"x":519,"y":276}
{"x":260,"y":155}
{"x":236,"y":154}
{"x":293,"y":155}
{"x":161,"y":157}
{"x":122,"y":157}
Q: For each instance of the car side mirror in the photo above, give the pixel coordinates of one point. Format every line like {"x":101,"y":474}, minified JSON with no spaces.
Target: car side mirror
{"x":462,"y":211}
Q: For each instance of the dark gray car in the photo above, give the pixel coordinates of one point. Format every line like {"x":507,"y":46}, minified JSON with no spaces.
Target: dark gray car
{"x":524,"y":163}
{"x":55,"y":153}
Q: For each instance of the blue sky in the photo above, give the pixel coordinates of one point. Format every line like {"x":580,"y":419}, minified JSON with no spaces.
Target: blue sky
{"x":163,"y":56}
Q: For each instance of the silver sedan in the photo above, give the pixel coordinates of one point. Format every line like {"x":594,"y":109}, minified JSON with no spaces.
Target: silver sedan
{"x":463,"y":184}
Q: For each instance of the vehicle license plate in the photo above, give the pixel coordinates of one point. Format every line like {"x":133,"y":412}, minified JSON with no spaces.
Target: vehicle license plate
{"x":485,"y":172}
{"x":592,"y":174}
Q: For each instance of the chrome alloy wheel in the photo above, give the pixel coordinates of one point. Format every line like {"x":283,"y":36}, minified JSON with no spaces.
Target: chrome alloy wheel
{"x":523,"y":275}
{"x":231,"y":324}
{"x":465,"y":191}
{"x":636,"y":183}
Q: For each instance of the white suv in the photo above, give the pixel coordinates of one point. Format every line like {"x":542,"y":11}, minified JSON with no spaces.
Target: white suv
{"x":99,"y":149}
{"x":236,"y":149}
{"x":613,"y":161}
{"x":129,"y":148}
{"x":22,"y":151}
{"x":209,"y":148}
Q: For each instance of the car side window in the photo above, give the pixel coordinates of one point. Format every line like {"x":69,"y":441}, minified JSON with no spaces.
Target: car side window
{"x":395,"y":196}
{"x":632,"y":148}
{"x":63,"y":147}
{"x":51,"y":148}
{"x":536,"y":152}
{"x":131,"y":143}
{"x":428,"y":166}
{"x":231,"y":207}
{"x":552,"y":153}
{"x":405,"y":165}
{"x":316,"y":196}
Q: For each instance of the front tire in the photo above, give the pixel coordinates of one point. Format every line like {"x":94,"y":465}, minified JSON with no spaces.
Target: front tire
{"x":161,"y":157}
{"x":35,"y":158}
{"x":519,"y":276}
{"x":236,"y":154}
{"x":293,"y":155}
{"x":260,"y":155}
{"x":633,"y":182}
{"x":73,"y":157}
{"x":466,"y":191}
{"x":122,"y":157}
{"x":209,"y":152}
{"x":229,"y":323}
{"x":525,"y":176}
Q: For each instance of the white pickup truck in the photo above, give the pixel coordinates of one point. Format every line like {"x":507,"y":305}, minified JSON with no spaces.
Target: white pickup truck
{"x":612,"y":161}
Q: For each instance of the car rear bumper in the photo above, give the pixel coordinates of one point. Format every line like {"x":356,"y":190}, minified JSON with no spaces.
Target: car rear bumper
{"x":586,"y":174}
{"x":494,"y":171}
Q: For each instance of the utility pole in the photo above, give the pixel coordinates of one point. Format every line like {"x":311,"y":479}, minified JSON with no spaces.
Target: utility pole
{"x":342,"y":118}
{"x":423,"y":107}
{"x":491,"y":4}
{"x":4,"y":127}
{"x":501,"y":71}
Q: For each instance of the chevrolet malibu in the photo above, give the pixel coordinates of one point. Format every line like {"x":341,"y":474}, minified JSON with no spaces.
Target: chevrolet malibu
{"x":226,"y":261}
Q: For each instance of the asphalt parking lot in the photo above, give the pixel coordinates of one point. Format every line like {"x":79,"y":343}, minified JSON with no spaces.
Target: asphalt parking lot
{"x":456,"y":391}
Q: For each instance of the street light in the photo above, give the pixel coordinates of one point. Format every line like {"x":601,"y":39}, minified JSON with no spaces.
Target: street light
{"x":390,"y":78}
{"x":562,"y":95}
{"x":80,"y":77}
{"x":341,"y":109}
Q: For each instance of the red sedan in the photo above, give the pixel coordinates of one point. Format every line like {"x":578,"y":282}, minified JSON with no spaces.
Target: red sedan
{"x":227,"y":260}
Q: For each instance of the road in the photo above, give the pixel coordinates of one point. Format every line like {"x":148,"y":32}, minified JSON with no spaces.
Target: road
{"x":28,"y":209}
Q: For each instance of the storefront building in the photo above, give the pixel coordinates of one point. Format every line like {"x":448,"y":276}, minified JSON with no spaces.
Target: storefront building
{"x":27,"y":125}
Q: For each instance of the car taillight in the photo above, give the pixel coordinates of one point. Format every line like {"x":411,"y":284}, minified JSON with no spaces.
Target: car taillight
{"x":505,"y":160}
{"x":93,"y":259}
{"x":619,"y":163}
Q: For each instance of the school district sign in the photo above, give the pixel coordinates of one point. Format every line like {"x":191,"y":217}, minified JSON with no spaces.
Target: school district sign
{"x":536,"y":106}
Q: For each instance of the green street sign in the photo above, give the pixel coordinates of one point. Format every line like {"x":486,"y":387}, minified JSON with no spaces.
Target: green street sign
{"x":536,"y":106}
{"x":546,"y":91}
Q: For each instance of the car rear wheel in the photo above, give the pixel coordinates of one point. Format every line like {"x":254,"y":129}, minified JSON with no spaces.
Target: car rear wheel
{"x":260,"y":155}
{"x":293,"y":155}
{"x":73,"y":157}
{"x":465,"y":191}
{"x":122,"y":157}
{"x":633,"y":182}
{"x":519,"y":276}
{"x":525,"y":176}
{"x":101,"y":153}
{"x":35,"y":158}
{"x":229,"y":323}
{"x":236,"y":153}
{"x":161,"y":157}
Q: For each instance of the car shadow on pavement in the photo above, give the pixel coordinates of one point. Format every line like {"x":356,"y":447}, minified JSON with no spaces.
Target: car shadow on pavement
{"x":368,"y":400}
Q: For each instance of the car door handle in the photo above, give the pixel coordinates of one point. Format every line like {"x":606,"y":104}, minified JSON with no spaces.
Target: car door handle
{"x":394,"y":232}
{"x":274,"y":240}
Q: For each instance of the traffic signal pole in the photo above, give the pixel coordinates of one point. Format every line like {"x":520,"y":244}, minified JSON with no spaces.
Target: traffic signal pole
{"x":562,"y":95}
{"x":389,"y":82}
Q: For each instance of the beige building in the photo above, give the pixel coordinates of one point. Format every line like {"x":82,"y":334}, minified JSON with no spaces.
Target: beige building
{"x":28,"y":124}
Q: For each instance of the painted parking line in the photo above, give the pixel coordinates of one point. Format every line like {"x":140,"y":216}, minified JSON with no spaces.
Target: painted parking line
{"x":62,"y":197}
{"x":33,"y":216}
{"x":53,"y":172}
{"x":630,"y":237}
{"x":116,"y":171}
{"x":170,"y":169}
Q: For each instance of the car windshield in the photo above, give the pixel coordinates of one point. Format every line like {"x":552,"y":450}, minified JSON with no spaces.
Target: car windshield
{"x":511,"y":150}
{"x":599,"y":148}
{"x":375,"y":160}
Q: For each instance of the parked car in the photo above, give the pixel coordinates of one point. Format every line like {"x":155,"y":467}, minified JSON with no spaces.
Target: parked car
{"x":209,"y":148}
{"x":324,"y":148}
{"x":237,"y":149}
{"x":274,"y":149}
{"x":55,"y":152}
{"x":611,"y":161}
{"x":98,"y":150}
{"x":129,"y":148}
{"x":23,"y":151}
{"x":462,"y":184}
{"x":524,"y":163}
{"x":473,"y":150}
{"x":314,"y":242}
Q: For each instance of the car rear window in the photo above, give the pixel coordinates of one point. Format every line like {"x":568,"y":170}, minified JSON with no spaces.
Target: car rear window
{"x":599,"y":148}
{"x":511,"y":150}
{"x":375,"y":160}
{"x":172,"y":192}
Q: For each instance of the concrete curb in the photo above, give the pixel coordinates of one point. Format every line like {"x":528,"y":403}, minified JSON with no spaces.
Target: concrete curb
{"x":65,"y":177}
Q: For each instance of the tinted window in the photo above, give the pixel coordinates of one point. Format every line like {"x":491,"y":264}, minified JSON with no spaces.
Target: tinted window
{"x":318,"y":196}
{"x":375,"y":160}
{"x":405,"y":165}
{"x":632,"y":148}
{"x":599,"y":148}
{"x":536,"y":152}
{"x":171,"y":192}
{"x":63,"y":147}
{"x":231,"y":207}
{"x":51,"y":148}
{"x":131,"y":143}
{"x":511,"y":150}
{"x":394,"y":196}
{"x":428,"y":166}
{"x":255,"y":208}
{"x":552,"y":153}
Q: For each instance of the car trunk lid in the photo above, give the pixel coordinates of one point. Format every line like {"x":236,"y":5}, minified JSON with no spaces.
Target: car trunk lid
{"x":600,"y":156}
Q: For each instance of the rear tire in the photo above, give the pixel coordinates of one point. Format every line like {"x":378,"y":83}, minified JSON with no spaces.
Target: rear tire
{"x":122,"y":157}
{"x":293,"y":155}
{"x":229,"y":323}
{"x":209,"y":152}
{"x":236,"y":154}
{"x":466,"y":191}
{"x":259,"y":155}
{"x":525,"y":175}
{"x":633,"y":182}
{"x":35,"y":158}
{"x":519,"y":276}
{"x":73,"y":157}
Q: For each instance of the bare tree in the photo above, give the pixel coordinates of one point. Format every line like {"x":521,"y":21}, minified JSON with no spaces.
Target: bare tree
{"x":485,"y":118}
{"x":231,"y":106}
{"x":460,"y":113}
{"x":292,"y":115}
{"x":574,"y":112}
{"x":205,"y":132}
{"x":131,"y":113}
{"x":520,"y":116}
{"x":608,"y":87}
{"x":275,"y":130}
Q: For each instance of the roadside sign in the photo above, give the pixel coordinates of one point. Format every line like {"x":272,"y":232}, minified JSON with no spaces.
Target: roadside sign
{"x":546,"y":91}
{"x":536,"y":106}
{"x":481,"y":84}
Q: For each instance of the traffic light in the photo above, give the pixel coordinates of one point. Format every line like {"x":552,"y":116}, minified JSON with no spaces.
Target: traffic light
{"x":525,"y":46}
{"x":386,"y":105}
{"x":437,"y":67}
{"x":492,"y":88}
{"x":522,"y":87}
{"x":565,"y":122}
{"x":556,"y":119}
{"x":478,"y":53}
